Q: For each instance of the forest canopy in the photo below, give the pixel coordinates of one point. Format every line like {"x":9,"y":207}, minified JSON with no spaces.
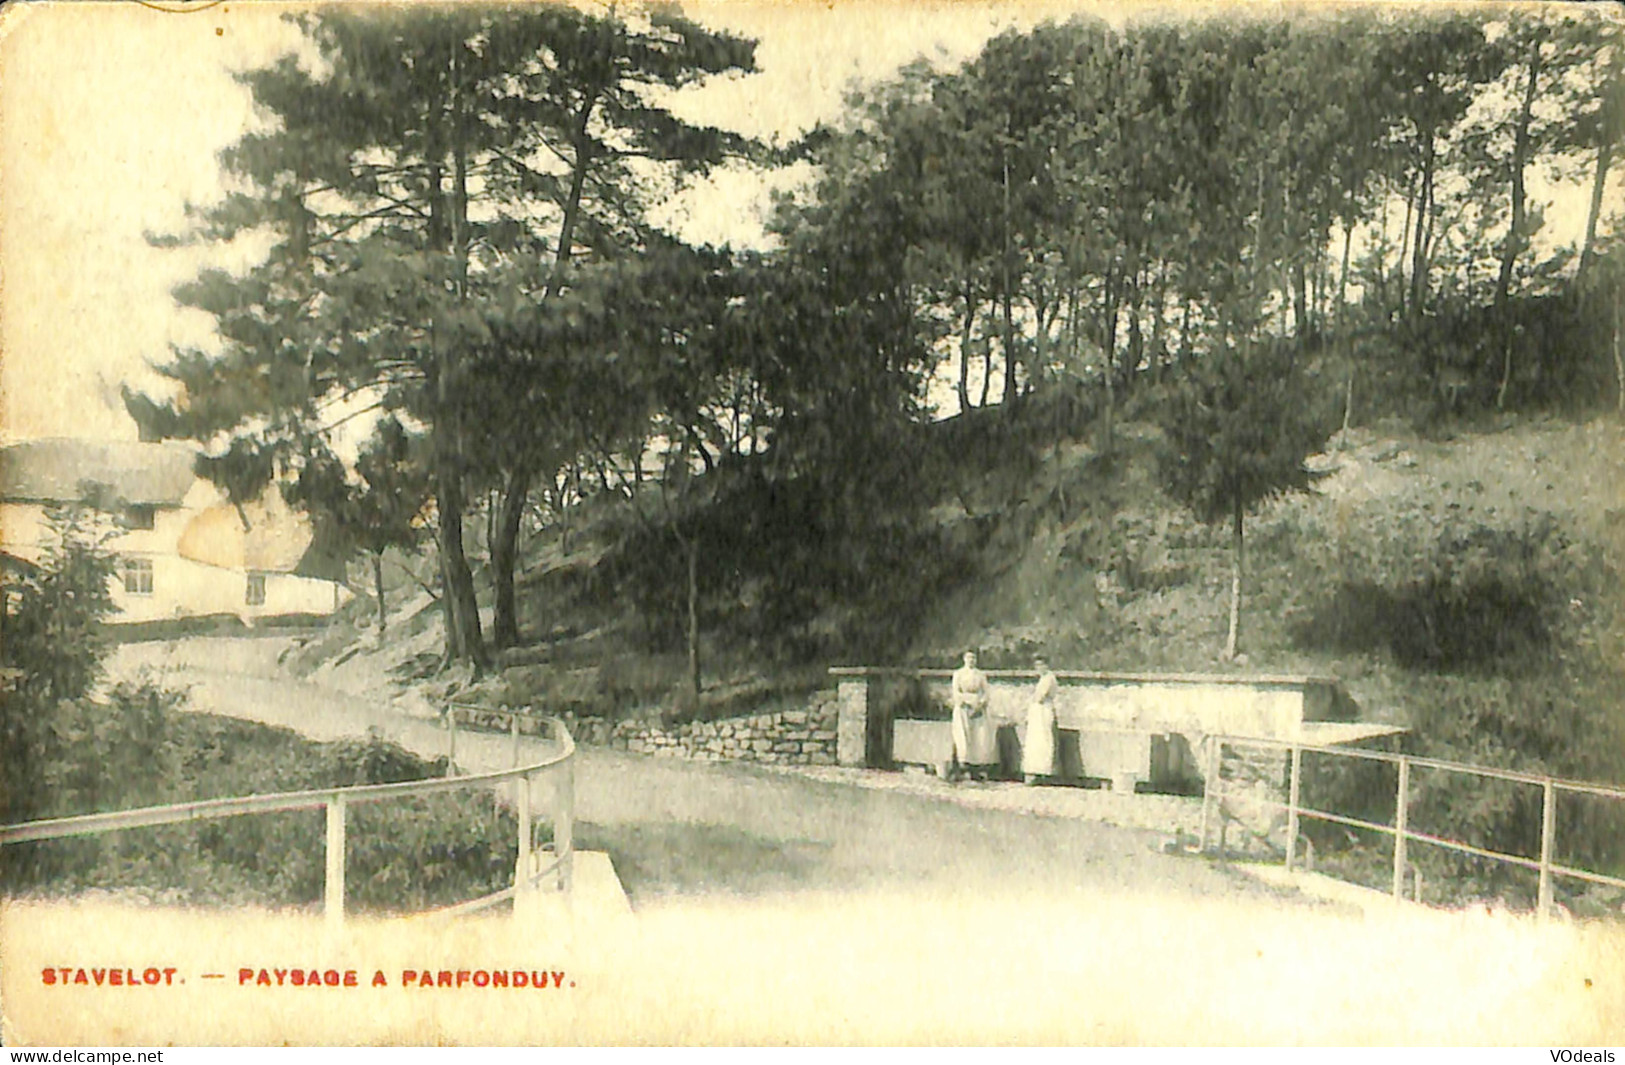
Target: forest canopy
{"x":1083,"y":217}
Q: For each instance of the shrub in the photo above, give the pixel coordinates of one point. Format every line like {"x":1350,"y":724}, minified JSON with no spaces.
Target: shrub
{"x":1445,"y":592}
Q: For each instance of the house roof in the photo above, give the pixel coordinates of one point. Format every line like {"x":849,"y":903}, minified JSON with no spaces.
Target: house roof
{"x":60,"y":470}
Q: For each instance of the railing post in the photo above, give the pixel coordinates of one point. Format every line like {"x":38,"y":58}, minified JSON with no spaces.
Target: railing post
{"x":333,"y":893}
{"x":1210,"y":790}
{"x":1401,"y":812}
{"x":514,"y":728}
{"x":1292,"y":807}
{"x":564,"y":812}
{"x":451,"y":741}
{"x":521,"y":806}
{"x":1548,"y":829}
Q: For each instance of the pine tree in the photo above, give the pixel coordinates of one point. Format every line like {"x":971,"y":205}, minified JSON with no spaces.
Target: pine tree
{"x":435,"y":180}
{"x":1238,"y":427}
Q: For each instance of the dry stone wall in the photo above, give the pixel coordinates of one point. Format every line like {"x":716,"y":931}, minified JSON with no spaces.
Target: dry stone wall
{"x":785,"y":737}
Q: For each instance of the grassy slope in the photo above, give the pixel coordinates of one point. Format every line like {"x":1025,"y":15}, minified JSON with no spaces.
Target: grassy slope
{"x":1127,"y":581}
{"x":1080,"y":556}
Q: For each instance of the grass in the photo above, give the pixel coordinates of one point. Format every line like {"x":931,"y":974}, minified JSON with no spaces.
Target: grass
{"x":404,"y":855}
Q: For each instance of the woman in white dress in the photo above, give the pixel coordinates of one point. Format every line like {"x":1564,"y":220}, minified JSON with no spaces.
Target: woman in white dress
{"x":975,"y":746}
{"x":1038,"y":751}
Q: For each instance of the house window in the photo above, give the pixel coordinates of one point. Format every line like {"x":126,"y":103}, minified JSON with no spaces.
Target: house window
{"x":256,"y":590}
{"x":138,"y":576}
{"x":139,"y":516}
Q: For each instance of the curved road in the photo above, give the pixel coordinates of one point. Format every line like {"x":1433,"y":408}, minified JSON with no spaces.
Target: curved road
{"x":775,"y":907}
{"x":697,"y":828}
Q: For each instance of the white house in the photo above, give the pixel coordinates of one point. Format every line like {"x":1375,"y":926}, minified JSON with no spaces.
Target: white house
{"x":183,"y":550}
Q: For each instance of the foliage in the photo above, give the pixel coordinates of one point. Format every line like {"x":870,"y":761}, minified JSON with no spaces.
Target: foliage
{"x":432,"y":179}
{"x":54,"y":626}
{"x":1499,"y":623}
{"x":1238,"y":429}
{"x":51,"y":652}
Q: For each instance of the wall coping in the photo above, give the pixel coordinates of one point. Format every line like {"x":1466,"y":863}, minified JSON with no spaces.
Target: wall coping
{"x":1256,"y":680}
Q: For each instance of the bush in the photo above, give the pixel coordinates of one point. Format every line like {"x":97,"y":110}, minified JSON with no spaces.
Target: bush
{"x":1446,"y":592}
{"x":1496,"y":623}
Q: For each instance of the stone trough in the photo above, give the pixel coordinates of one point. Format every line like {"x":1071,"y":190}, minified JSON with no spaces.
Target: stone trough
{"x":1134,"y":730}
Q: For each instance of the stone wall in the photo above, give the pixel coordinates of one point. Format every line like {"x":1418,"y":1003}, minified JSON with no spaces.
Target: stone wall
{"x":787,"y":737}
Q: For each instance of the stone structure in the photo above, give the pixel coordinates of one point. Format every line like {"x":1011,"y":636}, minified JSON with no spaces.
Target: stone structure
{"x":786,"y":737}
{"x":1128,"y":728}
{"x":852,"y":725}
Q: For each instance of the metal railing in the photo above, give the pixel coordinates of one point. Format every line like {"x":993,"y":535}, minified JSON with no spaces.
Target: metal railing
{"x":558,"y":768}
{"x":1545,"y":866}
{"x":474,"y":711}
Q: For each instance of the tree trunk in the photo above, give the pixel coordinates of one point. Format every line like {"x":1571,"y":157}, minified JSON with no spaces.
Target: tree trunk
{"x":504,"y":556}
{"x":694,"y":618}
{"x":1599,"y":179}
{"x":378,"y":583}
{"x":1040,"y":359}
{"x":1136,"y":338}
{"x":964,"y":347}
{"x":1185,"y":331}
{"x":1300,"y":302}
{"x":1236,"y":565}
{"x":1619,"y":368}
{"x":1404,"y":246}
{"x":1009,"y":319}
{"x":1343,"y":271}
{"x":564,"y":505}
{"x":1419,"y":243}
{"x":1110,"y":369}
{"x":464,"y":638}
{"x":1515,"y":231}
{"x":492,"y":504}
{"x":1009,"y":355}
{"x":1159,"y":344}
{"x":572,"y":206}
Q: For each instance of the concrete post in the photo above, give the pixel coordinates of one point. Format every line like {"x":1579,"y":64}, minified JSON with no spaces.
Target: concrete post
{"x":1402,"y":808}
{"x":521,"y":806}
{"x":1548,"y":829}
{"x":451,"y":741}
{"x":1292,"y":808}
{"x":333,"y":891}
{"x":1211,"y":809}
{"x":852,"y":724}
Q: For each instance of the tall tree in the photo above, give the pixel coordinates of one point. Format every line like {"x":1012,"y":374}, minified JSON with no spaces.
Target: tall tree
{"x":441,"y":171}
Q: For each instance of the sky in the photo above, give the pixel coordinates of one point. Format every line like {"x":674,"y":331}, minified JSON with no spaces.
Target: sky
{"x":111,"y":116}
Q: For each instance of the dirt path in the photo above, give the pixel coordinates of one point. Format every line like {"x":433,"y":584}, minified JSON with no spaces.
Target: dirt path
{"x":696,"y":829}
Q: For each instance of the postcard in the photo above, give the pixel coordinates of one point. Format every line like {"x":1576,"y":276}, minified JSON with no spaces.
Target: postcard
{"x":811,"y":524}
